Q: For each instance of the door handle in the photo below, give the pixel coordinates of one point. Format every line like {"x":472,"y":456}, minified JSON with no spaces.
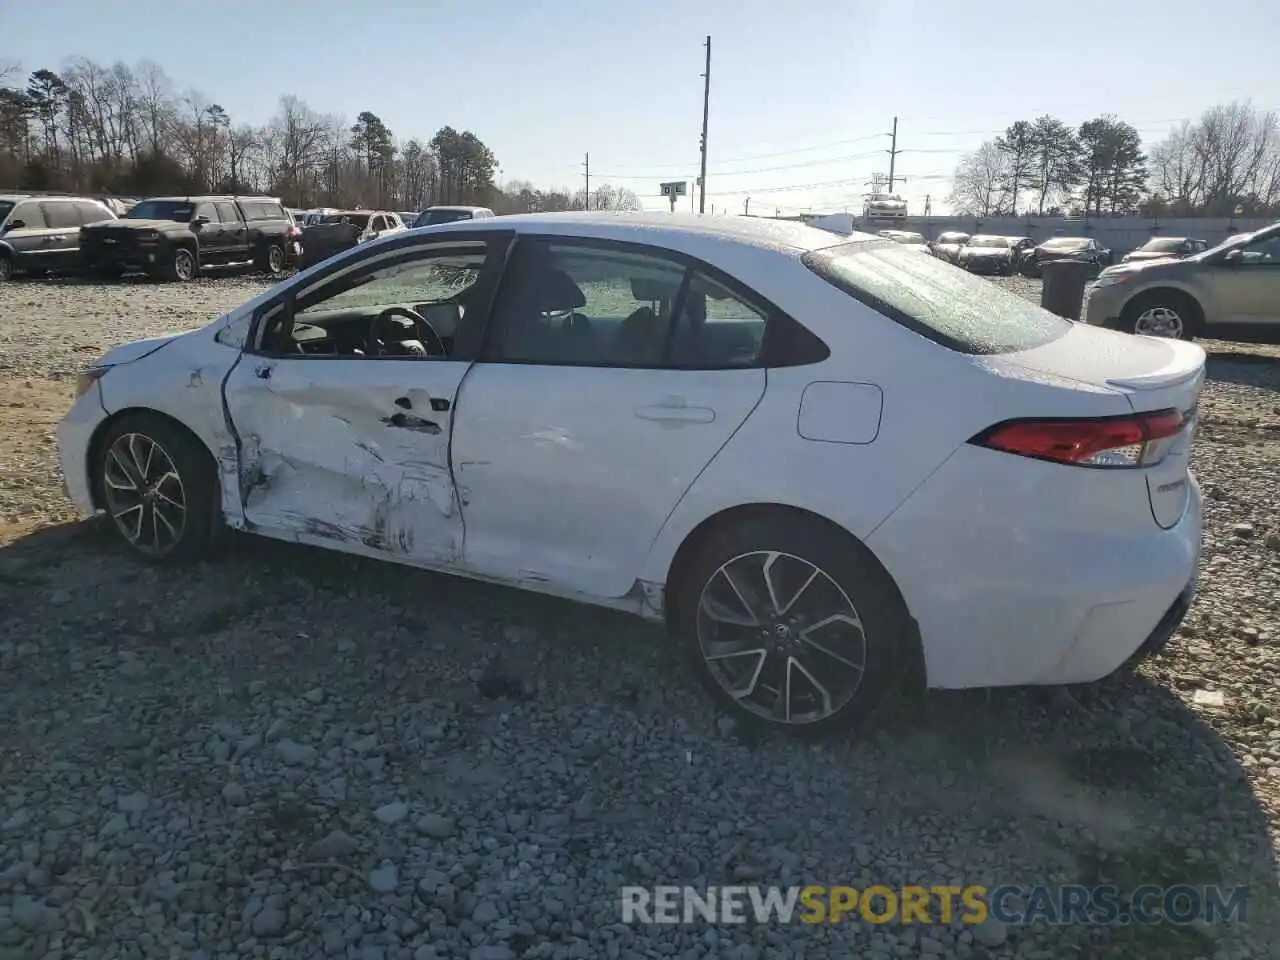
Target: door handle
{"x":675,"y":410}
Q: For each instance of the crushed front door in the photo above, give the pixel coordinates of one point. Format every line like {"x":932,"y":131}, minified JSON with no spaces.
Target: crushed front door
{"x":349,"y":452}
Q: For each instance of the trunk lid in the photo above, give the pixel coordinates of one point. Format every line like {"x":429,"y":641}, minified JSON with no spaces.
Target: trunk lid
{"x":1151,"y":373}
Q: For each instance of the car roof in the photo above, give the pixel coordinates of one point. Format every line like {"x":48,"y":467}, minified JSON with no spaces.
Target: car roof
{"x":663,"y":229}
{"x":451,"y":207}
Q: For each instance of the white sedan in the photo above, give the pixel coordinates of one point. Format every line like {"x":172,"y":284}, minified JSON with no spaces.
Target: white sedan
{"x":828,"y":468}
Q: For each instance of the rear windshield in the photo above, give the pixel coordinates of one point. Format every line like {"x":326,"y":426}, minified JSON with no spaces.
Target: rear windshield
{"x":441,"y":216}
{"x":949,"y":306}
{"x":360,"y":220}
{"x":953,"y":238}
{"x":1164,"y":245}
{"x":1065,"y":243}
{"x":178,"y":210}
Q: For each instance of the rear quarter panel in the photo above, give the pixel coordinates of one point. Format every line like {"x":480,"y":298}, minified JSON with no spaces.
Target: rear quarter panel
{"x":933,"y":401}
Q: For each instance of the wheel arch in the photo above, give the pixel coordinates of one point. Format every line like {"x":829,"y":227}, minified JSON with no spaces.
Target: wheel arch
{"x":99,"y":435}
{"x":694,"y":540}
{"x":1175,"y":289}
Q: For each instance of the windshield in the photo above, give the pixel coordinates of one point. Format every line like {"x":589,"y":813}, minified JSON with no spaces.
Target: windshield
{"x":949,"y":306}
{"x":177,"y":210}
{"x":953,"y":238}
{"x":909,"y":238}
{"x":988,"y":242}
{"x":441,"y":216}
{"x":1161,"y":245}
{"x":1065,"y":243}
{"x":1237,"y":240}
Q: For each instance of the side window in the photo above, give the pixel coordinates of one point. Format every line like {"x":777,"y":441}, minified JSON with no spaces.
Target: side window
{"x":252,"y":211}
{"x":1262,"y":253}
{"x":60,"y":216}
{"x":88,"y":212}
{"x":577,"y":304}
{"x":29,"y":213}
{"x":227,"y":212}
{"x":716,"y":328}
{"x":368,"y":312}
{"x":378,"y":224}
{"x":205,"y":210}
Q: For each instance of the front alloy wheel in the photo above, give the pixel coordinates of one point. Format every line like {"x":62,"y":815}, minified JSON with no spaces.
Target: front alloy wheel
{"x":184,"y":265}
{"x":781,"y":637}
{"x":144,"y":494}
{"x":158,"y":486}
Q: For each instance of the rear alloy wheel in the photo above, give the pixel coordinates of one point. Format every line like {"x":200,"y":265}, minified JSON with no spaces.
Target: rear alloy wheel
{"x":793,"y":625}
{"x":157,"y":488}
{"x":183,"y":266}
{"x":273,"y":262}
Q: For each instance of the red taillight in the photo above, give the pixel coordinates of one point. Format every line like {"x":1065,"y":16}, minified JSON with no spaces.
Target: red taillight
{"x":1142,"y":440}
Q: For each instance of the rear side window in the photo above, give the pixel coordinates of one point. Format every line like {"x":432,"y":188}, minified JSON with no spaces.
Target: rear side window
{"x":227,"y":212}
{"x":29,"y":213}
{"x":60,"y":216}
{"x":92,"y":212}
{"x":949,"y":306}
{"x":262,"y":210}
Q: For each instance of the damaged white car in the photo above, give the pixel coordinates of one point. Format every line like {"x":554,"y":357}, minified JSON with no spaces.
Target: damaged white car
{"x":827,"y":465}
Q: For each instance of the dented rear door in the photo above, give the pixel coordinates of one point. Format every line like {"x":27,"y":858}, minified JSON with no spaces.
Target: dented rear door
{"x":349,"y":452}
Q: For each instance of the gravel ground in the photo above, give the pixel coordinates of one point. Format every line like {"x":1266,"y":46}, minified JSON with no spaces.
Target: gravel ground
{"x":289,"y":753}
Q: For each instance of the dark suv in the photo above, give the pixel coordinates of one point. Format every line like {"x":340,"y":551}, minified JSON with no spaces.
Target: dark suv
{"x":176,"y":237}
{"x":41,"y":234}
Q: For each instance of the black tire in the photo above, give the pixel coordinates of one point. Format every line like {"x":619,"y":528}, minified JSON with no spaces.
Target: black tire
{"x":6,"y":267}
{"x":888,"y":641}
{"x":184,"y":266}
{"x":197,"y":482}
{"x":272,"y":260}
{"x":1187,"y":310}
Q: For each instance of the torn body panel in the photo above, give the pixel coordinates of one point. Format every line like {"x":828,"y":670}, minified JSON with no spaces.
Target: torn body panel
{"x":336,"y":451}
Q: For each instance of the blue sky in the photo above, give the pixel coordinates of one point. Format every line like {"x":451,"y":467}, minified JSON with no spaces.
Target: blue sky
{"x":802,"y":92}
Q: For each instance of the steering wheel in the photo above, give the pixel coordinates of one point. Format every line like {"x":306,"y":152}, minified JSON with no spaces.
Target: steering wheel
{"x":431,"y":341}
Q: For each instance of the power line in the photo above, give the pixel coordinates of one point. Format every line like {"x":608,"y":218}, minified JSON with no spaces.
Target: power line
{"x":737,"y":173}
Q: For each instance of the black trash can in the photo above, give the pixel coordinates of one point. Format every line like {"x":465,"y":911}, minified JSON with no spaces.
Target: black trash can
{"x":1063,"y":289}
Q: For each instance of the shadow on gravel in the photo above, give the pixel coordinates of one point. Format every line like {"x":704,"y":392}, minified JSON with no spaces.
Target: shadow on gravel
{"x":1116,"y":783}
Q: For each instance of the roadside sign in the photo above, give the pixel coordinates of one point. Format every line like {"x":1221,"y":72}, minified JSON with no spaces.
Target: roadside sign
{"x":673,"y":189}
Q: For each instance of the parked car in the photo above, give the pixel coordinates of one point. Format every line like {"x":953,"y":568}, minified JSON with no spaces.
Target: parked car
{"x":884,"y":206}
{"x":1021,"y":247}
{"x":299,"y":217}
{"x":41,"y":234}
{"x":1085,"y":249}
{"x":692,"y":469}
{"x":175,"y":238}
{"x":339,"y":230}
{"x":987,"y":254}
{"x":1237,"y":283}
{"x":1163,"y":248}
{"x":408,"y":217}
{"x":947,"y":246}
{"x":907,"y":238}
{"x":434,"y":215}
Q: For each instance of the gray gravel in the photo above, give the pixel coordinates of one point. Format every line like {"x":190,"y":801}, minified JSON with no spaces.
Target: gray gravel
{"x":285,"y":752}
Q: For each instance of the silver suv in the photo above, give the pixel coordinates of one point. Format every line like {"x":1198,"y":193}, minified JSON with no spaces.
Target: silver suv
{"x":41,"y":234}
{"x":1237,"y":283}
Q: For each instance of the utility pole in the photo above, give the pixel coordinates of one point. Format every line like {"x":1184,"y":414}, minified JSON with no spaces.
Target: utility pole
{"x":706,"y":108}
{"x":746,"y":208}
{"x":893,"y":152}
{"x":586,"y":173}
{"x":928,"y":208}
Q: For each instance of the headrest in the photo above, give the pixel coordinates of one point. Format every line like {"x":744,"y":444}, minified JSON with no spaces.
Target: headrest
{"x":645,"y":288}
{"x":557,"y":292}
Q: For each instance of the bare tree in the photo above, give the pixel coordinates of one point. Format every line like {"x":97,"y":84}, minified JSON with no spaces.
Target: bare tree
{"x":1230,"y":156}
{"x":980,"y":186}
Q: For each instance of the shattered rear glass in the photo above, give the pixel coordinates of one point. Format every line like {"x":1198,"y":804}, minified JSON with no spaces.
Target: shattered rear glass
{"x":949,"y":306}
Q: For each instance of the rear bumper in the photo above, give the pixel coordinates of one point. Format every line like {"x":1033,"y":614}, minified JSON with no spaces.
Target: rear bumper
{"x":1166,"y":628}
{"x":1033,"y":574}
